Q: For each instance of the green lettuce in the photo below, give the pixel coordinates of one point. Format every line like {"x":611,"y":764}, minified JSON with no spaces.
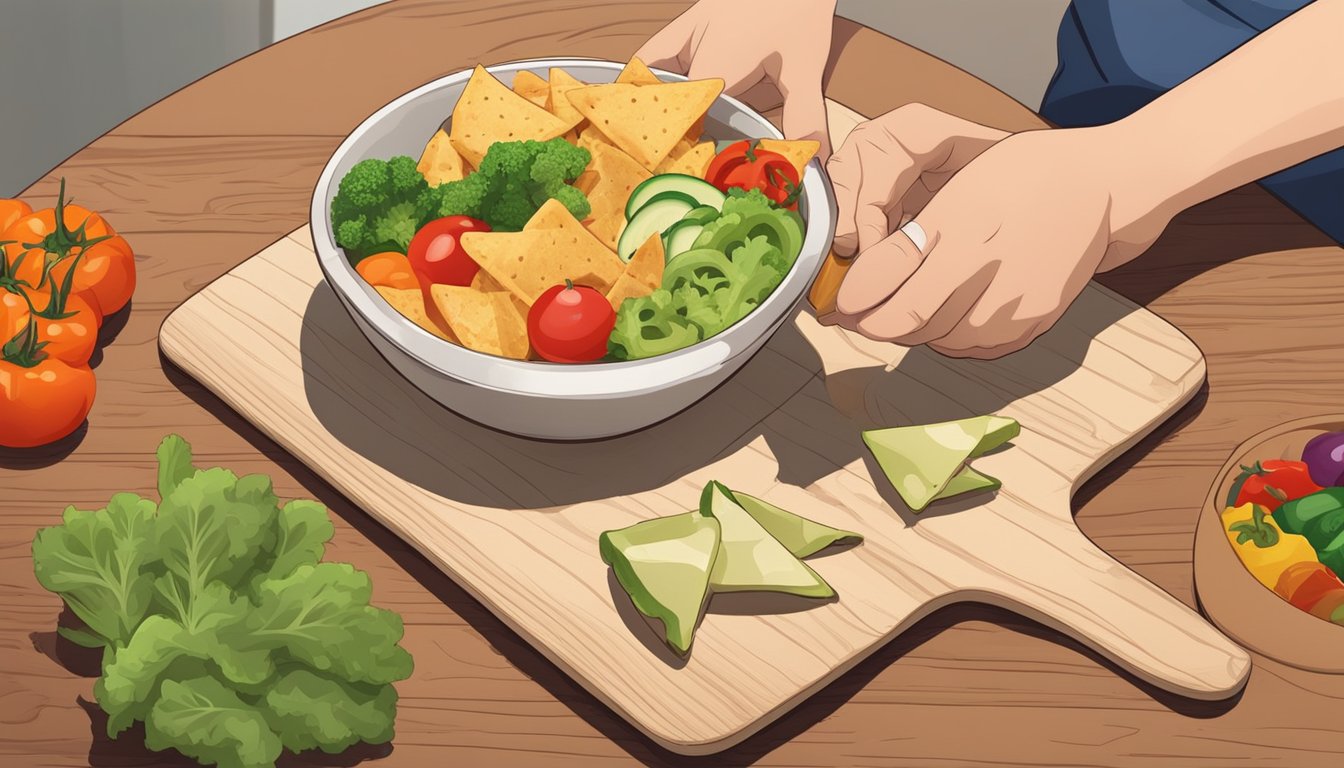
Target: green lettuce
{"x":222,"y":629}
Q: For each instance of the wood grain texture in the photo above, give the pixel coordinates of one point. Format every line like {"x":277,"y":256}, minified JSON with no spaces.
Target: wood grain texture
{"x":216,"y":172}
{"x":515,"y":521}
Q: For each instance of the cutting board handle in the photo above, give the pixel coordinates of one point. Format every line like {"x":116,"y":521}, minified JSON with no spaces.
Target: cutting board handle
{"x":1104,"y":605}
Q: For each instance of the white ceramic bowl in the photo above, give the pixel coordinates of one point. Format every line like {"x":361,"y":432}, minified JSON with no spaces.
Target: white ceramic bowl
{"x":547,"y":400}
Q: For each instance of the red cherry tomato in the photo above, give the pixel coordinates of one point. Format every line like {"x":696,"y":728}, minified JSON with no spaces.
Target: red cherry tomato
{"x":437,"y":257}
{"x":746,"y":166}
{"x":570,"y":324}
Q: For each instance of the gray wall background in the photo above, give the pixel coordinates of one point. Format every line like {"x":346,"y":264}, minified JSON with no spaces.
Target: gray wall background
{"x":116,"y":57}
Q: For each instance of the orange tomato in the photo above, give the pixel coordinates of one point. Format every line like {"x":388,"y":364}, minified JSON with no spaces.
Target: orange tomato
{"x":44,"y":402}
{"x":11,"y":211}
{"x":104,"y":277}
{"x":70,"y":335}
{"x":13,"y":314}
{"x":389,"y":269}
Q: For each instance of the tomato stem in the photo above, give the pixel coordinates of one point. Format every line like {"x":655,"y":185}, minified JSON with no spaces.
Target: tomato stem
{"x":24,"y":350}
{"x":59,"y":244}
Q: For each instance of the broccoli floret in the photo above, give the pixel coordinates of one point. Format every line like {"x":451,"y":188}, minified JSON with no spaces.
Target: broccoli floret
{"x":515,"y":179}
{"x":379,"y":205}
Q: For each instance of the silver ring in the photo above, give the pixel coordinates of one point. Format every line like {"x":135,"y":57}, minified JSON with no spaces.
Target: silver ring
{"x":916,"y":234}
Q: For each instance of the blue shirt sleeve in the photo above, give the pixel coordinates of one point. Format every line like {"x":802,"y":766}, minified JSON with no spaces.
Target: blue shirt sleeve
{"x":1117,"y":55}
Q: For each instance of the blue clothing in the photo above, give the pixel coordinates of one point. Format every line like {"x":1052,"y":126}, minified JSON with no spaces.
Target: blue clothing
{"x":1117,"y":55}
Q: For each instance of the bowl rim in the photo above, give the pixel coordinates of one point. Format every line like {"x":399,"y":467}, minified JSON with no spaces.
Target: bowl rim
{"x":1236,"y":601}
{"x":539,"y":378}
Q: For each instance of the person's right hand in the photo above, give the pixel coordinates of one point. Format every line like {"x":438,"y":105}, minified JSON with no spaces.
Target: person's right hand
{"x":784,"y":42}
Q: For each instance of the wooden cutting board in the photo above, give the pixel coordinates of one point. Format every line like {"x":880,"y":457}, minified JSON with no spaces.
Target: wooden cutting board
{"x":516,"y":521}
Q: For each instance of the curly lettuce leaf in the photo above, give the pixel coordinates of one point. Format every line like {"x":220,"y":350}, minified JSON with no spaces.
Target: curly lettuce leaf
{"x":320,"y":615}
{"x":203,"y":719}
{"x":310,"y":711}
{"x":101,"y":564}
{"x":650,"y":325}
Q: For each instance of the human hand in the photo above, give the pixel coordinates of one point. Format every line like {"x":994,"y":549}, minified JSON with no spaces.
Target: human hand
{"x":1014,"y":227}
{"x":745,"y":42}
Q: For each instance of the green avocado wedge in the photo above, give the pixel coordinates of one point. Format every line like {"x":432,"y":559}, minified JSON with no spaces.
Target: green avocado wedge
{"x":664,"y":565}
{"x":750,"y":559}
{"x":800,"y":536}
{"x":927,"y":462}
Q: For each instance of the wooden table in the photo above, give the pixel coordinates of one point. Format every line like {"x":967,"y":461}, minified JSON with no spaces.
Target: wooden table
{"x":215,"y":172}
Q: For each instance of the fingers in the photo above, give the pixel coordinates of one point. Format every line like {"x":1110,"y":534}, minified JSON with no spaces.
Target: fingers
{"x":738,"y":76}
{"x":670,"y":47}
{"x":870,"y":181}
{"x":804,"y":104}
{"x":876,"y":275}
{"x":930,"y":304}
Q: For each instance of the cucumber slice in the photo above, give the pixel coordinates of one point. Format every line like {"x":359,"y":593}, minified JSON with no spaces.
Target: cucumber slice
{"x":702,"y":214}
{"x":654,"y":218}
{"x":680,"y":236}
{"x":698,"y":190}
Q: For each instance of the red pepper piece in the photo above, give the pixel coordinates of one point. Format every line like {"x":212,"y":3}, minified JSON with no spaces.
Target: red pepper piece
{"x":1272,"y":482}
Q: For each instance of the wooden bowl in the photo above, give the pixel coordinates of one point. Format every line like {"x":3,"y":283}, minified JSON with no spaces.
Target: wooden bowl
{"x":1242,"y":607}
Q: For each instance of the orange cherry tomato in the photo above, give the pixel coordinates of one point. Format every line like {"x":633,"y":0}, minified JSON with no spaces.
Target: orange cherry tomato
{"x":13,"y":314}
{"x":389,"y":269}
{"x":48,"y":241}
{"x":104,"y":277}
{"x":71,"y":333}
{"x":44,"y":402}
{"x":11,"y":211}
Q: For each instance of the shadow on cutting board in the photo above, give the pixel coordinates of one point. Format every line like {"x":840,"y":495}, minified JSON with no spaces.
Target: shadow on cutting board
{"x":810,"y":422}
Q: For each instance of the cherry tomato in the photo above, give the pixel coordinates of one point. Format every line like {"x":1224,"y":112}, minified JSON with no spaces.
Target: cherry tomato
{"x":70,"y":331}
{"x":43,"y":402}
{"x":744,"y":165}
{"x":437,"y":258}
{"x":570,"y":324}
{"x":105,"y":276}
{"x":389,"y":269}
{"x":11,"y":211}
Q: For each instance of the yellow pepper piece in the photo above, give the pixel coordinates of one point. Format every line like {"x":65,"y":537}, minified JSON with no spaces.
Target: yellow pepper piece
{"x":1266,"y":564}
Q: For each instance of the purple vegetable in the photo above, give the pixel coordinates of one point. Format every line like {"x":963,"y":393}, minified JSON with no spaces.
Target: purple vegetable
{"x":1324,"y":457}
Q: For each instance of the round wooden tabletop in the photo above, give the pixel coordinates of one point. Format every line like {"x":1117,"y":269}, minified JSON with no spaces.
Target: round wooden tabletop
{"x":217,"y":171}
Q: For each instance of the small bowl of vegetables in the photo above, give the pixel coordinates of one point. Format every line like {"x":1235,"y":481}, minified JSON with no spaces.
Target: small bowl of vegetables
{"x":583,"y":248}
{"x":1269,"y":546}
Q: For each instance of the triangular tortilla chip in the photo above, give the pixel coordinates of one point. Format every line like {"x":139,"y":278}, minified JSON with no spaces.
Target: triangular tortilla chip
{"x":488,"y":112}
{"x":475,"y":318}
{"x":680,"y":148}
{"x":485,"y":283}
{"x":561,"y":84}
{"x":696,"y":130}
{"x":799,"y":152}
{"x":532,"y":87}
{"x":646,"y":121}
{"x":694,"y":162}
{"x":553,"y":215}
{"x":928,"y":462}
{"x":614,"y":176}
{"x":528,"y":263}
{"x":440,"y":162}
{"x":410,"y":302}
{"x":636,"y":72}
{"x":642,"y":276}
{"x":511,"y":325}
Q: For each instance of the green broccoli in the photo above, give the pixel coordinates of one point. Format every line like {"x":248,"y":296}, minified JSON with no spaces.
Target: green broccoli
{"x":514,"y":180}
{"x":379,"y":206}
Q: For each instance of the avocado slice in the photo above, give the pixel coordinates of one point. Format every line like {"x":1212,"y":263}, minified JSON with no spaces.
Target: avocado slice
{"x":664,"y":565}
{"x":802,"y":537}
{"x":927,"y":462}
{"x":750,"y":559}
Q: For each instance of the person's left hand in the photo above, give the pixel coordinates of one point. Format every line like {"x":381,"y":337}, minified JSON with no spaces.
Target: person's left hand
{"x":1015,"y":226}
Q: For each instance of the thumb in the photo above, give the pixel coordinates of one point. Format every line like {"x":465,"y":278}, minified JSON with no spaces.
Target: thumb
{"x":805,"y":107}
{"x":879,"y":271}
